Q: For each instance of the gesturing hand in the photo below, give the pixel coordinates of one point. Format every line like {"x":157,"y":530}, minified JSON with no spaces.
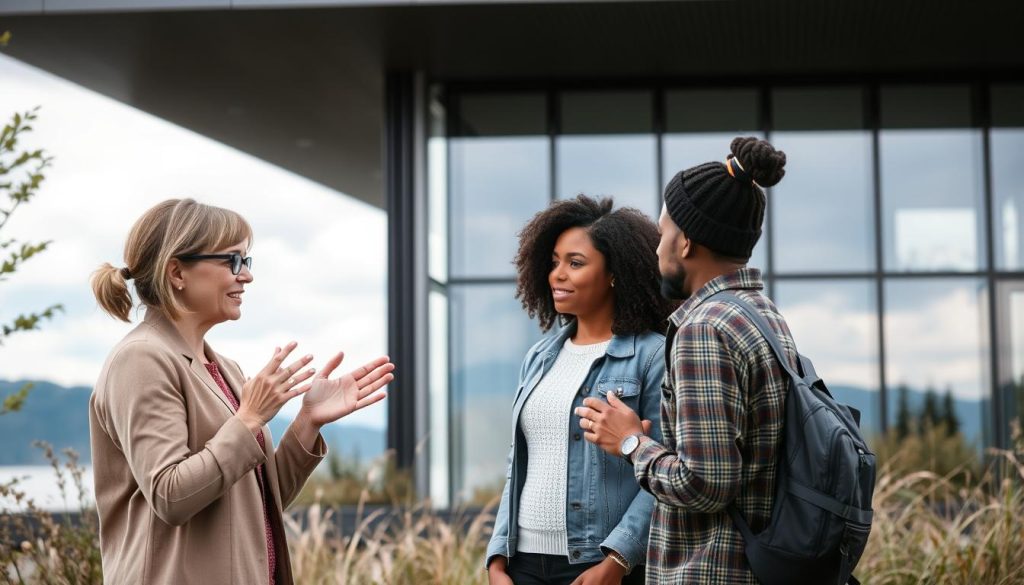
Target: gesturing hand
{"x":265,"y":393}
{"x":328,"y":400}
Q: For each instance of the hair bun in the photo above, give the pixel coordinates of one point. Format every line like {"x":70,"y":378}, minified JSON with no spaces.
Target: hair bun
{"x":760,"y":159}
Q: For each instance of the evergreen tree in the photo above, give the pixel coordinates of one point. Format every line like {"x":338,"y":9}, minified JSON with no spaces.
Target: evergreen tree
{"x":902,"y":412}
{"x":949,"y":417}
{"x":930,"y":416}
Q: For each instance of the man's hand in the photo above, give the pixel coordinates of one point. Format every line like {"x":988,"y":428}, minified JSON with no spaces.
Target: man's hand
{"x":607,"y":572}
{"x":607,"y":423}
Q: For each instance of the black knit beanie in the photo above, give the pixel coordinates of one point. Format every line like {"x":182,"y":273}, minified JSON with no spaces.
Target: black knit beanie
{"x":721,"y":206}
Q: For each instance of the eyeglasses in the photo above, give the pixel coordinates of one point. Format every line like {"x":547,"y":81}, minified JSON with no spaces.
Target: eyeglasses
{"x":235,"y":258}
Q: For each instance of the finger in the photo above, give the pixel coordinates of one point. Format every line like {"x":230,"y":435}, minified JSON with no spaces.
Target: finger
{"x":278,"y":358}
{"x":366,"y":368}
{"x":297,"y":391}
{"x":372,"y":399}
{"x":584,"y":412}
{"x":591,"y":437}
{"x":377,"y":385}
{"x":595,"y":404}
{"x":332,"y":364}
{"x":613,"y":400}
{"x":295,"y":366}
{"x":646,"y":424}
{"x":298,"y":378}
{"x":375,"y":374}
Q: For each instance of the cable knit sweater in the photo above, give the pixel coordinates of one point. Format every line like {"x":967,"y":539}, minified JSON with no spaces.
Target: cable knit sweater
{"x":545,"y":424}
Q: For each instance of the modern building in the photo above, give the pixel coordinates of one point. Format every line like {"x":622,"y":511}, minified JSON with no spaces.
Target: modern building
{"x":895,"y":244}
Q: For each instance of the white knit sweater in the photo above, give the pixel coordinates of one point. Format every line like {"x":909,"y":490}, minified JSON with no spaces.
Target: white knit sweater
{"x":545,"y":423}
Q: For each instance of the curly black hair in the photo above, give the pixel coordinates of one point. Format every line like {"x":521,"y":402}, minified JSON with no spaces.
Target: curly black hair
{"x":625,"y":237}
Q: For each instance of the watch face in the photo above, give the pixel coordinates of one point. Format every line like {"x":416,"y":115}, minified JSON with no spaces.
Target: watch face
{"x":629,"y":444}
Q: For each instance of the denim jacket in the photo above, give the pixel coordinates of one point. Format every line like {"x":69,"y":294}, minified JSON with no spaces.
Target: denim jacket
{"x":605,"y":508}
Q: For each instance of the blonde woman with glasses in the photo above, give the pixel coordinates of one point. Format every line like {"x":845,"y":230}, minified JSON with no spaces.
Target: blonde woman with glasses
{"x":189,"y":487}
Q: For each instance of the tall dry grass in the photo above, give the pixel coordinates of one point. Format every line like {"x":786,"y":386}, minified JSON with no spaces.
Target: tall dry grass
{"x":962,"y":527}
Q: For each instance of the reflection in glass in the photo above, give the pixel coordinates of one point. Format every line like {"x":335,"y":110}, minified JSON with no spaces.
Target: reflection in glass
{"x":437,"y":355}
{"x":1012,"y":379}
{"x":1007,"y":151}
{"x":437,"y":208}
{"x":496,"y":186}
{"x":823,"y":208}
{"x":936,"y":341}
{"x":932,"y":200}
{"x":618,"y":165}
{"x":682,"y":151}
{"x":490,"y":334}
{"x":835,"y":324}
{"x":607,"y":147}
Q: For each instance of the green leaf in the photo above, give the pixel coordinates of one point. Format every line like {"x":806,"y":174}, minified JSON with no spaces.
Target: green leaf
{"x":14,"y":401}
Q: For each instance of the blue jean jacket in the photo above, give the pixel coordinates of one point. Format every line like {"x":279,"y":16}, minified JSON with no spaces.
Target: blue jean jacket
{"x":604,"y":508}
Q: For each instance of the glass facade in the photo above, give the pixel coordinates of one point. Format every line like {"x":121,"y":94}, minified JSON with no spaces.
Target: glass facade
{"x":892,"y":246}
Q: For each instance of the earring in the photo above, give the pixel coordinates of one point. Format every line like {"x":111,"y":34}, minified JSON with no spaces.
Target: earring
{"x":180,"y":287}
{"x":613,"y":283}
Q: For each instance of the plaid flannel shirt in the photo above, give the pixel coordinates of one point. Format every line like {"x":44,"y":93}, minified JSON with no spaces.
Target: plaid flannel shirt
{"x":721,"y":416}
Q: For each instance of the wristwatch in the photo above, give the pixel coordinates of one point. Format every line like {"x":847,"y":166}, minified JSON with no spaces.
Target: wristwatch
{"x":628,"y":445}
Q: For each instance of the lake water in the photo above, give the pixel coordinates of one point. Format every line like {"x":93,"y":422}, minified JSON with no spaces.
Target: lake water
{"x":40,"y":483}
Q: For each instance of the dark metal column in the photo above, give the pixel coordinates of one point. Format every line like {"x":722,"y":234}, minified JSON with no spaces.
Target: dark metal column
{"x":399,"y":180}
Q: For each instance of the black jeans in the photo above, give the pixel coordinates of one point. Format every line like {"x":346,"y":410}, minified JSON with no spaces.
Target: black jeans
{"x":536,"y":569}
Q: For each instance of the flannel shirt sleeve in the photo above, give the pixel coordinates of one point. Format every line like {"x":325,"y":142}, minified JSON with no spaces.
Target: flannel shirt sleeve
{"x":702,"y":471}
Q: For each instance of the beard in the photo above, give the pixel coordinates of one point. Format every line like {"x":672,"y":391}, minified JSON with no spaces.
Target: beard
{"x":672,"y":285}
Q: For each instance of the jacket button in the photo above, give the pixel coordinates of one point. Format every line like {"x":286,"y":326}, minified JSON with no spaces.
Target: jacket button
{"x":575,"y":554}
{"x":576,"y":506}
{"x":576,"y":437}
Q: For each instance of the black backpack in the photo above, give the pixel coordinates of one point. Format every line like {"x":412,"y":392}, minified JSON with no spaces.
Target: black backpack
{"x":822,"y":513}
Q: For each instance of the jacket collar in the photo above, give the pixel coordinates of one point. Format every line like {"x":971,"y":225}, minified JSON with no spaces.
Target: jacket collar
{"x":168,"y":333}
{"x":743,"y":279}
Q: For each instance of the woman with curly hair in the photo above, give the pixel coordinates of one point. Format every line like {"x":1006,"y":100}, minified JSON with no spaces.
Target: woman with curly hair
{"x":570,"y":513}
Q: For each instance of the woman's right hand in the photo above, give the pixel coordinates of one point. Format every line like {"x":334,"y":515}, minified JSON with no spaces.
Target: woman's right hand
{"x":496,"y":574}
{"x":264,"y":394}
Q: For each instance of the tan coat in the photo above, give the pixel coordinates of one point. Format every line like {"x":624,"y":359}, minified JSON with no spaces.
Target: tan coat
{"x":177,"y":497}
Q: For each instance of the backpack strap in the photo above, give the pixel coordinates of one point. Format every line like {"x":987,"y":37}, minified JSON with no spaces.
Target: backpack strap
{"x":762,"y":325}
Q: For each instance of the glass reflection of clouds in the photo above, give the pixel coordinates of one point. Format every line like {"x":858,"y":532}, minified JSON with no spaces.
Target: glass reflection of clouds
{"x":490,"y":334}
{"x":497,"y":185}
{"x":936,"y":337}
{"x":824,"y":208}
{"x":835,"y":323}
{"x":622,"y":166}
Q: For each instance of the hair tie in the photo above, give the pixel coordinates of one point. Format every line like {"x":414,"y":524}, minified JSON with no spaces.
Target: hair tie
{"x":736,"y":170}
{"x":126,"y":274}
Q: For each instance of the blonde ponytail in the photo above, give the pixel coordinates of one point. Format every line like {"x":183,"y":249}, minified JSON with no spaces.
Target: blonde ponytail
{"x":111,"y":291}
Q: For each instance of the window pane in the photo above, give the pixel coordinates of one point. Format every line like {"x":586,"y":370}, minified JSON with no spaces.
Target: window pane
{"x":699,"y":111}
{"x":818,"y":108}
{"x":835,"y":324}
{"x":484,"y":374}
{"x":437,"y":356}
{"x":437,"y":192}
{"x":607,"y":148}
{"x":1011,"y":357}
{"x":936,"y":340}
{"x":501,"y":114}
{"x":497,"y":184}
{"x":915,"y":106}
{"x":823,"y":210}
{"x":1007,"y":144}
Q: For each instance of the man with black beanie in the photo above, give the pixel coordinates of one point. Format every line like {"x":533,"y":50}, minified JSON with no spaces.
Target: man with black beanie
{"x":723,"y":397}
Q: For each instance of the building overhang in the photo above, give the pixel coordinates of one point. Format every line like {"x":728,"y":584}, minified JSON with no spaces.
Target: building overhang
{"x":303,"y":88}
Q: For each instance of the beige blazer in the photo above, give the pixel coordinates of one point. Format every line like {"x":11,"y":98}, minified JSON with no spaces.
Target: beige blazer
{"x":177,"y":498}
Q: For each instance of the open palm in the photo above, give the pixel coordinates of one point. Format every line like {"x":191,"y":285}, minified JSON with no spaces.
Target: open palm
{"x":329,"y":400}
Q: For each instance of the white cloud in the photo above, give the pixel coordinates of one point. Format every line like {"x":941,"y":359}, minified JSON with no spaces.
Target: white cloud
{"x":320,"y":256}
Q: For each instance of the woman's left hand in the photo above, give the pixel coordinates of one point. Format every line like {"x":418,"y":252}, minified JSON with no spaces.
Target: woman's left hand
{"x":328,"y":400}
{"x":607,"y":572}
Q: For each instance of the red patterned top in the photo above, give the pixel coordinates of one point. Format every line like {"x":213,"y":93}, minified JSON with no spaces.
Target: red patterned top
{"x":271,"y":556}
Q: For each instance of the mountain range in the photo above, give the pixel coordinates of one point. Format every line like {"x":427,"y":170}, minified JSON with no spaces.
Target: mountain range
{"x":60,"y":416}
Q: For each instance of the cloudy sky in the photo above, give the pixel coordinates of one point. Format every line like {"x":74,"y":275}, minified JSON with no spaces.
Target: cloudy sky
{"x":319,"y":255}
